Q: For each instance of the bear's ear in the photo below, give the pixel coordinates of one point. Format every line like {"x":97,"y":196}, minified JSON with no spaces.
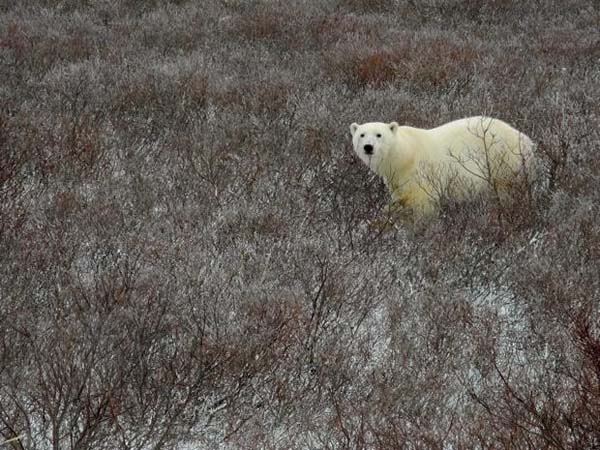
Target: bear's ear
{"x":393,"y":127}
{"x":353,"y":128}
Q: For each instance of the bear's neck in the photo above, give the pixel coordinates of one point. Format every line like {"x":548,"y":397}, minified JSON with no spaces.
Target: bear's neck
{"x":397,"y":170}
{"x":398,"y":167}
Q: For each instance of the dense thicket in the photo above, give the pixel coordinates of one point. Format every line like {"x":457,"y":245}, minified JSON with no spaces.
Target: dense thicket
{"x":192,"y":257}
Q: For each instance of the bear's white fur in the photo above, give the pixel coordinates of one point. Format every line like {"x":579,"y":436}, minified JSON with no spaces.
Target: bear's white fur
{"x":456,"y":160}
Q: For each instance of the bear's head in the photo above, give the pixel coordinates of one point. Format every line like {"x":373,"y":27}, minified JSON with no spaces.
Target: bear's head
{"x":373,"y":141}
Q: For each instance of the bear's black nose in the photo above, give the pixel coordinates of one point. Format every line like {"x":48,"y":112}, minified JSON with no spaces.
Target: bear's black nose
{"x":368,"y":149}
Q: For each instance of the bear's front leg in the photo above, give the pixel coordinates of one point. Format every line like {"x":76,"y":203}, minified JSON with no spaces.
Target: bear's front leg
{"x":398,"y":211}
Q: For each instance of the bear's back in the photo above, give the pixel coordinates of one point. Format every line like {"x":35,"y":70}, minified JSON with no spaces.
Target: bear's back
{"x":482,"y":146}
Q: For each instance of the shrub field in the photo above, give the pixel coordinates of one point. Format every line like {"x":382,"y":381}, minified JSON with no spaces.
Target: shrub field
{"x":192,"y":257}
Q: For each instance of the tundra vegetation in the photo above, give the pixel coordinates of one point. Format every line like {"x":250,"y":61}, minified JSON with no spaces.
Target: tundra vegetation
{"x":188,"y":250}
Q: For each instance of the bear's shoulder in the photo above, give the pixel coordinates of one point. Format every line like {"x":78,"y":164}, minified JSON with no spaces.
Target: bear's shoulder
{"x":417,"y":142}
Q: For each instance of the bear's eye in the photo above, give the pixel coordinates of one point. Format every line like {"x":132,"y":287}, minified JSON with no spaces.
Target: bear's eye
{"x":378,"y":135}
{"x":362,"y":135}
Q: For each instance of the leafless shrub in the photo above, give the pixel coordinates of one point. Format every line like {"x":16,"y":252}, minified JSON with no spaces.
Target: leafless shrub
{"x":365,"y":6}
{"x":263,"y":25}
{"x":404,"y":62}
{"x":334,"y":28}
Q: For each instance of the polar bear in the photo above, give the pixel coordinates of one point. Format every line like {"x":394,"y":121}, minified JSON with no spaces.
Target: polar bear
{"x":454,"y":161}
